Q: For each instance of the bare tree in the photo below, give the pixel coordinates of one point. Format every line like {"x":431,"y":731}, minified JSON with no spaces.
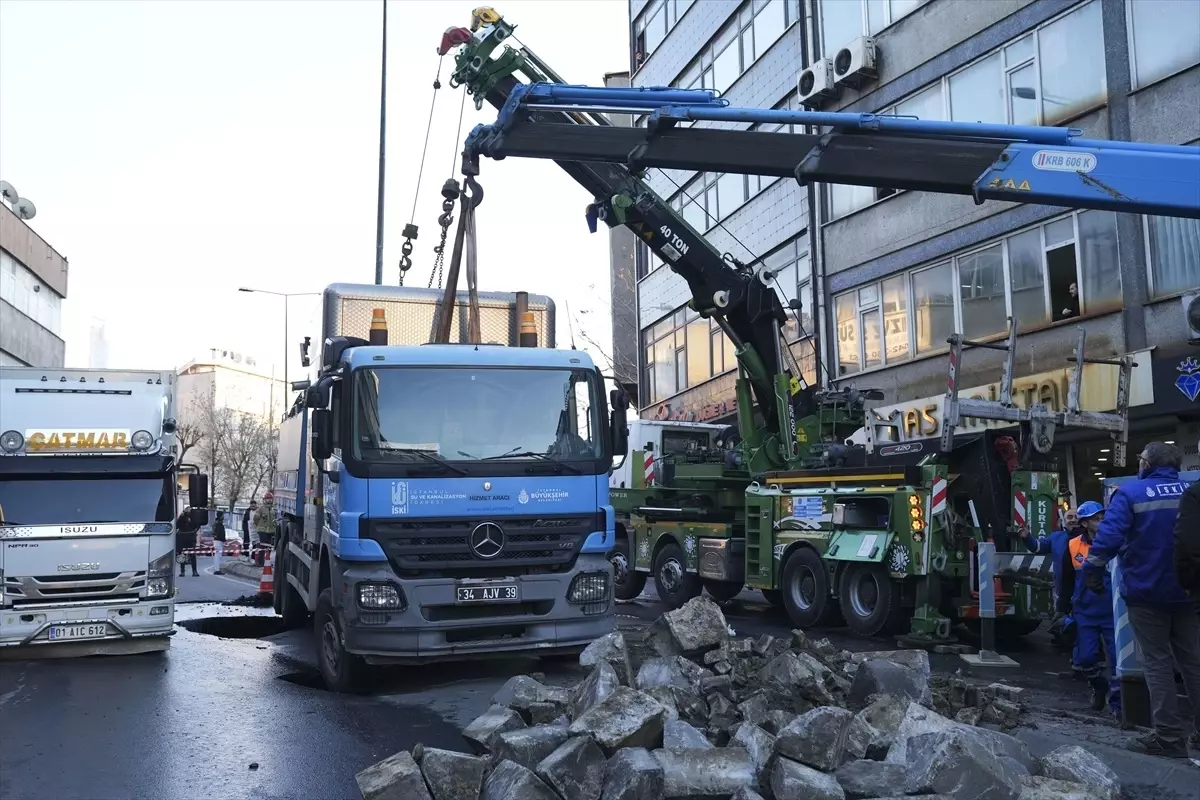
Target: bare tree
{"x":244,"y":439}
{"x":262,"y":469}
{"x":188,"y":434}
{"x":206,"y":421}
{"x":588,"y":319}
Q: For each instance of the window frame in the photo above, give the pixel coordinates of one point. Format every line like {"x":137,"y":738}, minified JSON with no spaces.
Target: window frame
{"x":864,"y":17}
{"x":1131,"y":48}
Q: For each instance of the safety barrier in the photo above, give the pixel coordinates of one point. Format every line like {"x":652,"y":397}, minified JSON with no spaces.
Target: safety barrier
{"x":987,"y":655}
{"x":232,"y":549}
{"x":266,"y":584}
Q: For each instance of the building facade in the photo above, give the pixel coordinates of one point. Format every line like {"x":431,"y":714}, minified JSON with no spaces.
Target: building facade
{"x":885,"y":276}
{"x":33,"y":284}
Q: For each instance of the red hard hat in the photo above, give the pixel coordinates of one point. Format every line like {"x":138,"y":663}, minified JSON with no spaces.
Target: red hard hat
{"x":268,"y":497}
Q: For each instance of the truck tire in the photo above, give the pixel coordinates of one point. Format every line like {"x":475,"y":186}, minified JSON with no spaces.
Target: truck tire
{"x":805,"y":590}
{"x":674,"y":583}
{"x":342,"y":672}
{"x":870,"y":600}
{"x":774,"y":597}
{"x":289,"y":605}
{"x":627,"y":583}
{"x":722,"y":591}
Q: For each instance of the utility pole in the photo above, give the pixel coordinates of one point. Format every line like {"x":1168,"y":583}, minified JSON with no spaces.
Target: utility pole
{"x":382,"y":148}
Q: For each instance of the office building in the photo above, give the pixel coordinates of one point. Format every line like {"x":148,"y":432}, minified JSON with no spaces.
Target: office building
{"x":886,"y":276}
{"x":97,"y":345}
{"x":33,"y":284}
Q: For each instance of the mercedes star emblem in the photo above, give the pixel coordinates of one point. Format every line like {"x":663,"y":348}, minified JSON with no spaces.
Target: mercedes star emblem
{"x":487,"y":486}
{"x":487,"y":540}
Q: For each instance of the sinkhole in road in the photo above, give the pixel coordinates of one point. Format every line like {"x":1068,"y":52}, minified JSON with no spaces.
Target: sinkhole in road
{"x":309,"y":680}
{"x":235,"y":627}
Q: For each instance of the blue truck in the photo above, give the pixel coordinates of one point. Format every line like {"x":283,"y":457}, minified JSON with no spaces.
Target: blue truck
{"x":443,"y":501}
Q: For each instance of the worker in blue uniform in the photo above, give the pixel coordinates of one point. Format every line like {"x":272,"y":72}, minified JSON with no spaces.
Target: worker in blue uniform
{"x":1055,"y":545}
{"x":1139,"y":526}
{"x":1093,"y":613}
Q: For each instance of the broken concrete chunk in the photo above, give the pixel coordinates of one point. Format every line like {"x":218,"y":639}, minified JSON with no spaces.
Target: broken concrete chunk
{"x":919,"y":720}
{"x":529,"y":746}
{"x":666,"y":696}
{"x":790,"y":681}
{"x":696,"y":627}
{"x":396,"y":777}
{"x":508,"y":781}
{"x":953,"y":762}
{"x":705,"y":773}
{"x":678,"y":735}
{"x":1035,"y":787}
{"x":885,"y":677}
{"x":870,"y":778}
{"x":626,"y":718}
{"x":817,"y":738}
{"x":598,"y":685}
{"x":916,"y":660}
{"x":451,"y":775}
{"x":481,"y":734}
{"x":662,"y":671}
{"x":878,"y":723}
{"x":745,"y":793}
{"x":1074,"y":764}
{"x":777,"y":720}
{"x":754,"y":709}
{"x":575,"y":769}
{"x":969,"y":716}
{"x":791,"y":780}
{"x":610,"y":648}
{"x":522,"y":691}
{"x":692,"y":707}
{"x":758,"y":743}
{"x":632,"y":774}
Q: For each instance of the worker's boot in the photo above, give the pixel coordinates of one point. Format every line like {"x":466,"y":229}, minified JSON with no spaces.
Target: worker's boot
{"x":1154,"y":745}
{"x":1099,"y":692}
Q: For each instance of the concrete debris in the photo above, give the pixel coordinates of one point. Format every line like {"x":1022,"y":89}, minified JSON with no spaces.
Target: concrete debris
{"x":610,"y":648}
{"x":918,"y":721}
{"x":776,"y":720}
{"x":691,"y":630}
{"x":715,"y":773}
{"x":877,"y":676}
{"x":1074,"y":764}
{"x":626,"y":718}
{"x":870,"y":778}
{"x":599,"y":684}
{"x":451,"y":775}
{"x":397,"y":777}
{"x":916,"y":660}
{"x":663,"y":671}
{"x":678,"y":735}
{"x":951,"y":761}
{"x":509,"y":780}
{"x":633,"y":774}
{"x":665,"y":695}
{"x":791,"y":780}
{"x":528,"y":746}
{"x":745,"y":793}
{"x":816,"y":739}
{"x":758,"y":743}
{"x":1035,"y":787}
{"x":481,"y":734}
{"x":575,"y":770}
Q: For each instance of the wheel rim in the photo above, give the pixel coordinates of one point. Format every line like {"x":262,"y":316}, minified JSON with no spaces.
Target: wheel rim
{"x":864,"y":595}
{"x":620,"y":568}
{"x":804,"y":589}
{"x":671,"y":574}
{"x":330,"y":645}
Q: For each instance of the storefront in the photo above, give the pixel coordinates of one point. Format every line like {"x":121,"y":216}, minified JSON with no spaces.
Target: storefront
{"x":714,"y":402}
{"x":1176,"y":409}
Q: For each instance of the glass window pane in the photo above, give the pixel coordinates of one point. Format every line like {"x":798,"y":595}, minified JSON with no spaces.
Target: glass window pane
{"x":716,"y":352}
{"x":806,"y":358}
{"x":844,"y":199}
{"x":1059,"y":231}
{"x":769,"y":26}
{"x":656,"y":30}
{"x":1166,"y":37}
{"x":847,"y":334}
{"x":726,"y":68}
{"x":976,"y":93}
{"x":664,"y":368}
{"x":895,"y":318}
{"x":1022,"y":95}
{"x":698,"y":356}
{"x":981,"y":278}
{"x":933,"y":306}
{"x":730,"y":355}
{"x":694,"y":215}
{"x":748,"y":51}
{"x":872,"y":338}
{"x":876,"y":16}
{"x":681,"y":369}
{"x":1071,"y":54}
{"x":925,"y":105}
{"x":1174,"y":254}
{"x":841,"y":21}
{"x":1101,"y":290}
{"x":1027,"y":279}
{"x":902,"y":8}
{"x":804,"y":293}
{"x":1018,"y":51}
{"x":868,"y":296}
{"x":731,"y":193}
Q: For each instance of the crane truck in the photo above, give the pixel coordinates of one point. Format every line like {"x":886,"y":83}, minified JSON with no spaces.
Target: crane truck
{"x":88,"y":481}
{"x":827,"y":528}
{"x":449,"y":500}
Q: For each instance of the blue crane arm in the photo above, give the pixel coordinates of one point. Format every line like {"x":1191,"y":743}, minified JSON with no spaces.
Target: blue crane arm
{"x":1016,"y":163}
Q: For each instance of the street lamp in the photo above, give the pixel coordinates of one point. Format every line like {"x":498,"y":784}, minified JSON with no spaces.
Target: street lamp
{"x":286,"y":296}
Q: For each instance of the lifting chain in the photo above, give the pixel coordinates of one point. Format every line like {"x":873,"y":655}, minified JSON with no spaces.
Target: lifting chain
{"x":410,"y":233}
{"x":450,"y":193}
{"x":410,"y":230}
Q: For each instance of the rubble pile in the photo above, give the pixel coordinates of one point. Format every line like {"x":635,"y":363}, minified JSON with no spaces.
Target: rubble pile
{"x":692,"y":712}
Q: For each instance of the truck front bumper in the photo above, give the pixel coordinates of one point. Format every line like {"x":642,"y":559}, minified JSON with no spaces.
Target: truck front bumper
{"x":434,"y":626}
{"x":124,"y":622}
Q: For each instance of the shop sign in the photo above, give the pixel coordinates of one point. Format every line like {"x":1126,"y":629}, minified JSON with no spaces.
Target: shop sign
{"x":1177,"y":379}
{"x":712,"y":400}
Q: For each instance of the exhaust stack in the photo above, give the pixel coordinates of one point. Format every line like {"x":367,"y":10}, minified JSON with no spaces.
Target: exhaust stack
{"x":379,"y":331}
{"x":527,"y":327}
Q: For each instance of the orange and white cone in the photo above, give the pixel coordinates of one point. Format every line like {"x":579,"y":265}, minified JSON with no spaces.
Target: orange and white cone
{"x":266,"y":584}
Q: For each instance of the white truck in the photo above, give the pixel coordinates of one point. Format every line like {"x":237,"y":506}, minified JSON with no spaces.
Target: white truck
{"x":88,"y":486}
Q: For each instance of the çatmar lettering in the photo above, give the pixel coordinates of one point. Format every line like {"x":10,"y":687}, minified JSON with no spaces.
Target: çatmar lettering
{"x":78,"y":440}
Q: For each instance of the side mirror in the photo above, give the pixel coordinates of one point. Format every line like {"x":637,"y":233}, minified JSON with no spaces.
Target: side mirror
{"x":317,"y":397}
{"x":305,"y":358}
{"x":198,"y":490}
{"x":199,"y":517}
{"x":321,"y":434}
{"x":618,"y":399}
{"x":619,"y":427}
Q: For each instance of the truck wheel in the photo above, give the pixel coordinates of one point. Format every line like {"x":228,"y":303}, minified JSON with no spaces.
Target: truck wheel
{"x":722,"y":591}
{"x":805,"y":590}
{"x":870,"y":600}
{"x":674,"y":583}
{"x":774,"y":597}
{"x":288,"y":603}
{"x":627,"y":582}
{"x":342,"y":672}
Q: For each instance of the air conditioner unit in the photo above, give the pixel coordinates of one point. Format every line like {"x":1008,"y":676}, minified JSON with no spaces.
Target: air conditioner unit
{"x":816,"y":83}
{"x":855,"y":63}
{"x":1191,"y":316}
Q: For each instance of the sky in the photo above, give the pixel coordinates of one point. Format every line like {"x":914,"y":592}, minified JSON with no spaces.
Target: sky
{"x":178,"y":150}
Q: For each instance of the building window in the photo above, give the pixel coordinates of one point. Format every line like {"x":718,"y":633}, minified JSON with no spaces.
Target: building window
{"x":28,"y":294}
{"x":1163,"y":38}
{"x":843,"y":20}
{"x":740,"y":42}
{"x":652,"y":26}
{"x":1174,"y":248}
{"x":683,"y":350}
{"x":1061,"y":270}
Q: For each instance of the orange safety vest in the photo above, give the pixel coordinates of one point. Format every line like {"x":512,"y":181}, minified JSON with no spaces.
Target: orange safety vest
{"x":1079,"y":549}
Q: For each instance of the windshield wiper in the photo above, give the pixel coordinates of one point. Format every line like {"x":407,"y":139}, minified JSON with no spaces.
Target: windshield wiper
{"x":532,"y":454}
{"x":430,"y":457}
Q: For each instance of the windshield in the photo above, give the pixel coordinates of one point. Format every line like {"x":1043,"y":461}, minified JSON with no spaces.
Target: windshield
{"x":472,"y":413}
{"x":58,"y":501}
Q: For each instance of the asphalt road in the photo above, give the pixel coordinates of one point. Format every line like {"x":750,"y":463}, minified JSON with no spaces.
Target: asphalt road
{"x":233,"y":711}
{"x":211,"y":588}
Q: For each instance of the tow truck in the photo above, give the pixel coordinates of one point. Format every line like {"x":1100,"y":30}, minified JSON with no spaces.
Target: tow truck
{"x":825,"y":527}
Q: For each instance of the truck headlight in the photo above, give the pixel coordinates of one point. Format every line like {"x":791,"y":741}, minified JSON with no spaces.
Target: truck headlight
{"x":380,"y":597}
{"x":589,"y":588}
{"x":11,"y":441}
{"x":142,"y":440}
{"x":160,"y":578}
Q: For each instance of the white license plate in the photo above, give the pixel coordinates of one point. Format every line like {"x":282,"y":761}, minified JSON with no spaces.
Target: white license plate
{"x":488,"y":593}
{"x":92,"y":630}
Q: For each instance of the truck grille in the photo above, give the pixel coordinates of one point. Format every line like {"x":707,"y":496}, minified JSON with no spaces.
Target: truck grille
{"x":442,"y":546}
{"x":57,"y":589}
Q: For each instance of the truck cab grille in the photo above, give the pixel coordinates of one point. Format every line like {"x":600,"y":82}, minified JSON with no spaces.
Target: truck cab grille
{"x":48,"y":590}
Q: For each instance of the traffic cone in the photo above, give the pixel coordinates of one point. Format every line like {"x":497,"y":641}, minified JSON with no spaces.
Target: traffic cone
{"x":266,"y":584}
